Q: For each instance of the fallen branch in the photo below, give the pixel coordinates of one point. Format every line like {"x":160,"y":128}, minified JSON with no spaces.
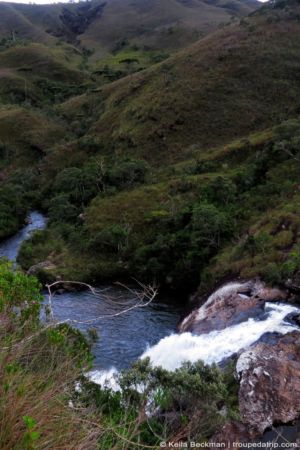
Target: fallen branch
{"x":50,"y":296}
{"x":145,"y":297}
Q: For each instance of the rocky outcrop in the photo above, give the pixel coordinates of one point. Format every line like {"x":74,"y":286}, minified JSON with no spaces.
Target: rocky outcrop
{"x":44,"y":265}
{"x":231,"y":304}
{"x":269,"y":396}
{"x":236,"y":434}
{"x":268,"y":365}
{"x":270,"y":383}
{"x":231,"y":434}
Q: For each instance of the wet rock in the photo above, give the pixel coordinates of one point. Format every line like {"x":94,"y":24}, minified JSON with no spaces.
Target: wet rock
{"x":270,"y":294}
{"x":231,"y":434}
{"x":235,"y":434}
{"x":297,"y":320}
{"x":270,"y":383}
{"x":230,"y":305}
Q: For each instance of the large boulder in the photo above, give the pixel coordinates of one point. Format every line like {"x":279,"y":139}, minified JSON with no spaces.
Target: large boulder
{"x":231,"y":304}
{"x":270,"y":383}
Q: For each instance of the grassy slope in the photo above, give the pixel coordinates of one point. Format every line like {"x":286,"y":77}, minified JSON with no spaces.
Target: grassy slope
{"x":140,"y":21}
{"x":170,"y":24}
{"x":37,"y":74}
{"x":107,"y":35}
{"x":265,"y":242}
{"x":13,"y":20}
{"x":201,"y":106}
{"x":24,"y":129}
{"x":42,"y":61}
{"x":224,"y":97}
{"x":208,"y":94}
{"x":28,"y":72}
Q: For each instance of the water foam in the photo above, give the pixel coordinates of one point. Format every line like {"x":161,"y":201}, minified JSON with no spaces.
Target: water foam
{"x":105,"y":378}
{"x":215,"y":346}
{"x":172,"y":351}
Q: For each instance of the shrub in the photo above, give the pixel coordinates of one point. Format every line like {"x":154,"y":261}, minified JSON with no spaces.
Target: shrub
{"x":38,"y":371}
{"x":128,"y":173}
{"x":209,"y":224}
{"x":61,"y":209}
{"x":113,"y":238}
{"x":154,"y":404}
{"x":221,"y":191}
{"x":19,"y":296}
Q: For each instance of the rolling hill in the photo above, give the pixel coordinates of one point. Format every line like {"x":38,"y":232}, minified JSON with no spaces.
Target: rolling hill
{"x":240,"y":79}
{"x":104,"y":25}
{"x":146,"y":152}
{"x":126,"y":182}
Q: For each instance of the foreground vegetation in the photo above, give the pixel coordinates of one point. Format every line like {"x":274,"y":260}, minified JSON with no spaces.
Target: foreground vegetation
{"x":39,"y":366}
{"x":41,"y":407}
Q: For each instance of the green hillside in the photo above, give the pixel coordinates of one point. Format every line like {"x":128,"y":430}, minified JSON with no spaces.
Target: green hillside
{"x":104,"y":40}
{"x":126,"y":169}
{"x":208,"y":94}
{"x":126,"y":187}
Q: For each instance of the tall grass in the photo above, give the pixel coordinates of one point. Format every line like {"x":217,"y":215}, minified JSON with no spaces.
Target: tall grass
{"x":37,"y":379}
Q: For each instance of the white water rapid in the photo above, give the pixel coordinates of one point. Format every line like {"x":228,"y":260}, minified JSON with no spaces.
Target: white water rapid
{"x":171,"y":351}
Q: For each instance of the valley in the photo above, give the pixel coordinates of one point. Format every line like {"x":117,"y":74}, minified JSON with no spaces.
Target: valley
{"x":149,"y":147}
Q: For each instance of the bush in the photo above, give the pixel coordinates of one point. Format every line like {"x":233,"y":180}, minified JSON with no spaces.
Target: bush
{"x":221,"y":191}
{"x":20,"y":297}
{"x":13,"y":209}
{"x":127,"y":173}
{"x":154,"y":404}
{"x":39,"y":368}
{"x":113,"y":238}
{"x":209,"y":224}
{"x":62,"y":210}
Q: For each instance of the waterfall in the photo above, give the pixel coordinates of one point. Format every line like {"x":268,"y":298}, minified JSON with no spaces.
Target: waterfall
{"x":172,"y":351}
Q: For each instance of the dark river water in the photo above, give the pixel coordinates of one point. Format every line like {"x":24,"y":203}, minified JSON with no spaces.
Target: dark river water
{"x":121,"y":339}
{"x":10,"y":248}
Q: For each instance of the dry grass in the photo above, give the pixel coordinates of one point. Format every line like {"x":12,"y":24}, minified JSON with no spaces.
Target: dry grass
{"x":37,"y":379}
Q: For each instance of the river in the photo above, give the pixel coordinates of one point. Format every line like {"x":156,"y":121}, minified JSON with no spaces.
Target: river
{"x":10,"y":247}
{"x":121,"y":339}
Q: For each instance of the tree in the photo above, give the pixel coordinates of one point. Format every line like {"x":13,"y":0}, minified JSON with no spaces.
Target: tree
{"x":209,"y":224}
